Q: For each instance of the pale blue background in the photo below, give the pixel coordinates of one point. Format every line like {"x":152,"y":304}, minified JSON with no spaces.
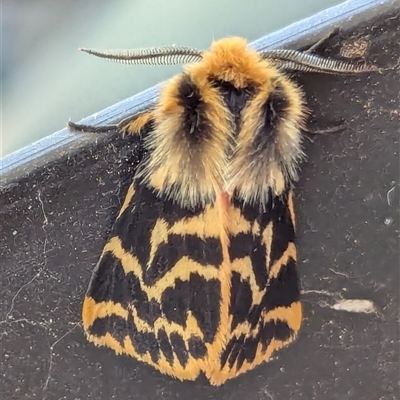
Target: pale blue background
{"x":46,"y":81}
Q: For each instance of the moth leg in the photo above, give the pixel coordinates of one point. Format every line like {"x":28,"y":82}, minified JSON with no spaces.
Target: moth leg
{"x":135,"y":125}
{"x":128,"y":126}
{"x":73,"y":127}
{"x":321,"y":44}
{"x":326,"y":131}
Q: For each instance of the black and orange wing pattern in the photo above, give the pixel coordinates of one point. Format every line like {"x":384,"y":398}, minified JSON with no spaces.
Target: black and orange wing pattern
{"x":212,"y":290}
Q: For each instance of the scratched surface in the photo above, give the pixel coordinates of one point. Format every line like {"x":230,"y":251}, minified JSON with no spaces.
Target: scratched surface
{"x":54,"y":224}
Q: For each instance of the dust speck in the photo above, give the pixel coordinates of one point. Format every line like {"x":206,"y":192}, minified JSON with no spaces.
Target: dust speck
{"x":388,"y":221}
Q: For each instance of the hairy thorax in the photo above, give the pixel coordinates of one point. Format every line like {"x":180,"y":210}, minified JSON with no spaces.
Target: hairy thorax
{"x":229,"y":128}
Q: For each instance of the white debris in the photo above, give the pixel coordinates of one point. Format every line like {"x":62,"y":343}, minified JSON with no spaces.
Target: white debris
{"x":356,"y":306}
{"x":390,"y":195}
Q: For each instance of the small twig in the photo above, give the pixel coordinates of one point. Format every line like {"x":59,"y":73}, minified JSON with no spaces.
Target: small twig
{"x":46,"y":220}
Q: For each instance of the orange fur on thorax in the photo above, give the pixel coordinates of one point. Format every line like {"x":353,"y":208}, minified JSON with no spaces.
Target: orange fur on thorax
{"x":230,"y":60}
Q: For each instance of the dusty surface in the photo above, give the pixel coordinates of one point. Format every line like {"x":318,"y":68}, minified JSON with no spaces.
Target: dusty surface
{"x":54,"y":224}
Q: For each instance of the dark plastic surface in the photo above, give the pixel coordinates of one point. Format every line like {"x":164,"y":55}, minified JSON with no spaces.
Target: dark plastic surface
{"x":54,"y":224}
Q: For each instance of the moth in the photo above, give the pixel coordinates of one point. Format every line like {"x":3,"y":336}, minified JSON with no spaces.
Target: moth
{"x":199,"y":274}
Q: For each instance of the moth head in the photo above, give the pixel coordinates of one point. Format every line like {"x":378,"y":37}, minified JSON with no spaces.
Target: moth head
{"x":230,"y":60}
{"x":229,"y":123}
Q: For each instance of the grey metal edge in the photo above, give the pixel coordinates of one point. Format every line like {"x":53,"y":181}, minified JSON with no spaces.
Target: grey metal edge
{"x":299,"y":34}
